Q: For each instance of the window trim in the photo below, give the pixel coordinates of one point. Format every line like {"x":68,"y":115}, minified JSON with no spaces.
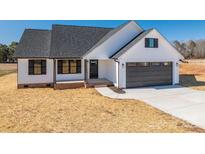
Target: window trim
{"x":31,"y":66}
{"x":78,"y":67}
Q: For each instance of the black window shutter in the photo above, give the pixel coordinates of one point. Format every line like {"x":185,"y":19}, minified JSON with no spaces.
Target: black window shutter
{"x":60,"y":66}
{"x":43,"y":66}
{"x":146,"y":42}
{"x":31,"y":67}
{"x":78,"y":66}
{"x":156,"y":43}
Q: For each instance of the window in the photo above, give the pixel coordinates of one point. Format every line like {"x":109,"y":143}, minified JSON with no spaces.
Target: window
{"x":144,"y":64}
{"x":36,"y":67}
{"x":151,"y":43}
{"x":73,"y":66}
{"x":69,"y":66}
{"x":65,"y":67}
{"x":131,"y":64}
{"x":166,"y":63}
{"x":155,"y":63}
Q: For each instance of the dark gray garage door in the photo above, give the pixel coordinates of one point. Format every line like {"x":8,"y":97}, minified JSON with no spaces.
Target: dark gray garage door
{"x":148,"y":74}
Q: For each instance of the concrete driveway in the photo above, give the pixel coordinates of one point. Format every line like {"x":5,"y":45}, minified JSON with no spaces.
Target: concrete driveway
{"x":181,"y":102}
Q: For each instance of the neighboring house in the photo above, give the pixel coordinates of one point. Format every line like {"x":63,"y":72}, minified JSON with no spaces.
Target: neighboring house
{"x":69,"y":56}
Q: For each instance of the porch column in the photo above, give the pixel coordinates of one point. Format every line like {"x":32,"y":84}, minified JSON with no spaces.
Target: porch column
{"x":54,"y":71}
{"x":86,"y":70}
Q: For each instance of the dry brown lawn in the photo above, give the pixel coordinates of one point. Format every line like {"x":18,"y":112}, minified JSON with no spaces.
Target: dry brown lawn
{"x":7,"y":68}
{"x":192,"y":74}
{"x":78,"y":110}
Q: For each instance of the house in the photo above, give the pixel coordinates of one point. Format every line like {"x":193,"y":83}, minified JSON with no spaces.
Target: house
{"x":71,"y":56}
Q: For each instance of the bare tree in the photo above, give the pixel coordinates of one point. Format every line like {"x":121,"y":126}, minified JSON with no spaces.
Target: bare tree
{"x":177,"y":44}
{"x":190,"y":46}
{"x":191,"y":49}
{"x":182,"y":48}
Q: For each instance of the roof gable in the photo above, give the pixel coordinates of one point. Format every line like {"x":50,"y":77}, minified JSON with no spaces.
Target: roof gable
{"x":110,"y":34}
{"x":34,"y":43}
{"x":74,"y":41}
{"x":130,"y":44}
{"x":136,"y":49}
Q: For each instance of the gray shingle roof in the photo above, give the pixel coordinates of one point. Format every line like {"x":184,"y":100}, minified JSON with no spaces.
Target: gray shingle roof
{"x":74,"y":41}
{"x":63,"y":41}
{"x":130,"y":44}
{"x":34,"y":43}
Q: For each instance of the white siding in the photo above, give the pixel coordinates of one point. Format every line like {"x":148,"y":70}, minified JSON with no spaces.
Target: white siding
{"x":67,"y":77}
{"x":24,"y":78}
{"x":102,"y":69}
{"x":138,"y":53}
{"x":107,"y":70}
{"x":111,"y":71}
{"x":117,"y":74}
{"x":175,"y":72}
{"x":115,"y":42}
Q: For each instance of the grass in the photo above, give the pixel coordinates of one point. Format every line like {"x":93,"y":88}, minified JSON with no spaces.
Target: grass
{"x":192,"y":74}
{"x":78,"y":110}
{"x":7,"y":68}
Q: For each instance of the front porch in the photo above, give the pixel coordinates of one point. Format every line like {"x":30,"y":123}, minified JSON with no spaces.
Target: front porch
{"x":78,"y":73}
{"x":98,"y":82}
{"x":89,"y":83}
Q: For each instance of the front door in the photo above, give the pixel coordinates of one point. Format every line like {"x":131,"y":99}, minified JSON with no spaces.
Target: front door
{"x":93,"y":69}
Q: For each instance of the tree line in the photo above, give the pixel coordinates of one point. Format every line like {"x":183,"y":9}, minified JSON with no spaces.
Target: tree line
{"x":191,"y":49}
{"x":6,"y":52}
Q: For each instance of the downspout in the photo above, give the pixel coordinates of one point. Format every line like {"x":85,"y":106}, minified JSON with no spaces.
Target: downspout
{"x":118,"y":76}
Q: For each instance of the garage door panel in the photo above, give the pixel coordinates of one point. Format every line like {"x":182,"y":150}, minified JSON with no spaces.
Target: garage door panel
{"x":138,"y":76}
{"x":142,"y":84}
{"x":158,"y":78}
{"x":149,"y":69}
{"x":146,"y":74}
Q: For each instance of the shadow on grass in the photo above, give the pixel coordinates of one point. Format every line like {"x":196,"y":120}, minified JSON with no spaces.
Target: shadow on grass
{"x":190,"y":81}
{"x":6,"y":72}
{"x":117,"y":90}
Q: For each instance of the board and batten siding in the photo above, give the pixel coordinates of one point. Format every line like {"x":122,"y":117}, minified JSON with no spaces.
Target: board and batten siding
{"x":25,"y":78}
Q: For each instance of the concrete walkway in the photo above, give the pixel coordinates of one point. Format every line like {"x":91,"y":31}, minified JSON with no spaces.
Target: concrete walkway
{"x":184,"y":103}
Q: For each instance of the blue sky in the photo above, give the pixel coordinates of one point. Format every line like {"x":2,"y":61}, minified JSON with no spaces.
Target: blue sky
{"x":11,"y":30}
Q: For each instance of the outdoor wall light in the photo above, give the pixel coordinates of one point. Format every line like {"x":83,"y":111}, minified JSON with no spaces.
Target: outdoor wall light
{"x":123,"y":65}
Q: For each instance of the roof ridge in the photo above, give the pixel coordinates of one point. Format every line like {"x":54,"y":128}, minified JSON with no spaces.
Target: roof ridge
{"x":81,"y":26}
{"x":37,"y":29}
